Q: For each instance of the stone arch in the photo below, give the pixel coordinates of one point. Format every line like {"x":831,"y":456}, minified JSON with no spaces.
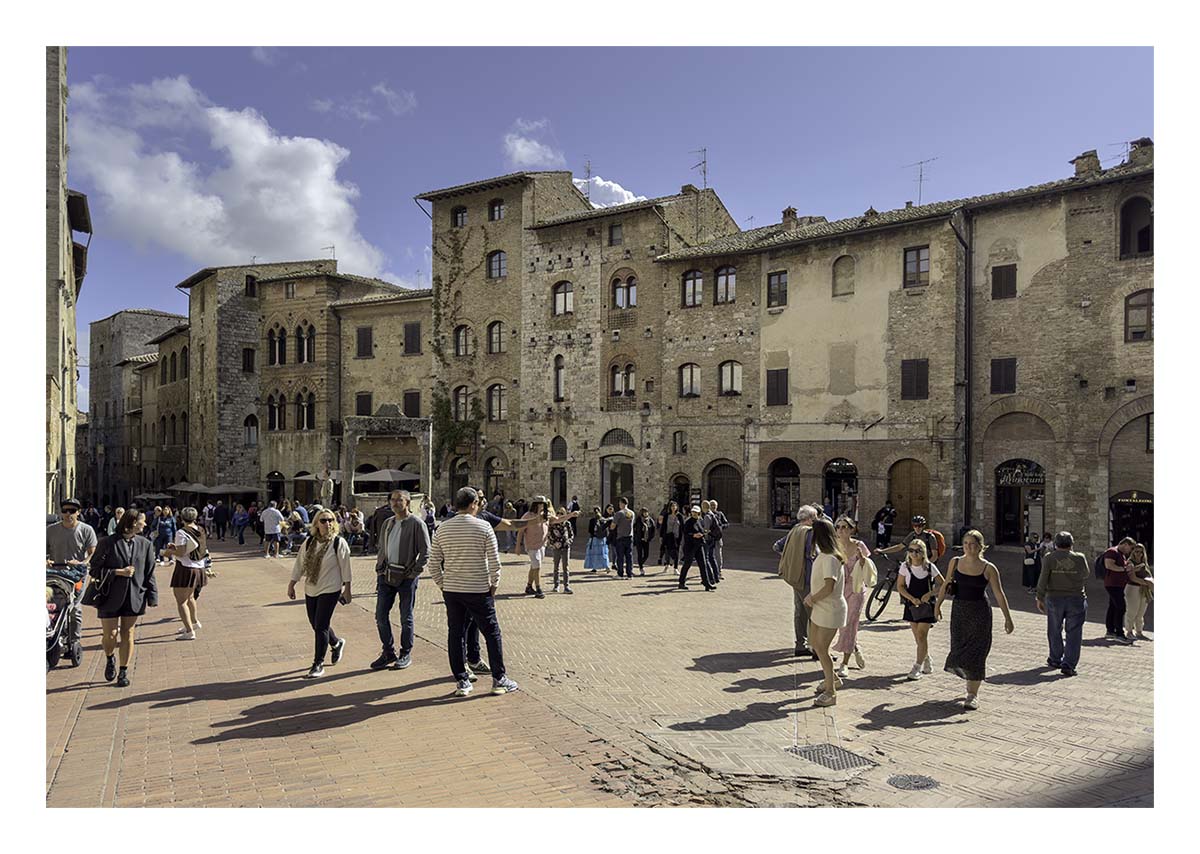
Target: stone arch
{"x":1133,"y":409}
{"x":1032,"y":429}
{"x":617,"y":438}
{"x":1020,"y":403}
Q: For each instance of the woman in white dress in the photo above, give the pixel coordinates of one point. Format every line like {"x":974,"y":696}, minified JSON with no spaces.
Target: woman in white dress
{"x":826,"y":603}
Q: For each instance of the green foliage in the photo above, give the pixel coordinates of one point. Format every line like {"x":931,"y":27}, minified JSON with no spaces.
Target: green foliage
{"x":449,"y":434}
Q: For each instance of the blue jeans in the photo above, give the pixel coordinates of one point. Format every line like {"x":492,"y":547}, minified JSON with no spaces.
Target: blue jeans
{"x":241,"y":535}
{"x":481,"y":609}
{"x":710,"y":554}
{"x":385,"y":596}
{"x":624,"y":555}
{"x":1071,"y":611}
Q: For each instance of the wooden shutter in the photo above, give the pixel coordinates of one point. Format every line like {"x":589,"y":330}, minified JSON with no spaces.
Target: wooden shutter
{"x":1004,"y":281}
{"x":914,"y":379}
{"x":1004,"y":376}
{"x":412,"y":337}
{"x":412,"y":404}
{"x":365,"y":348}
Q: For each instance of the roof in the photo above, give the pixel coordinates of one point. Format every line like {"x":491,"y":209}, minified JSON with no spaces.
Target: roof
{"x":611,"y":210}
{"x":180,"y":327}
{"x":485,"y":184}
{"x":201,"y":275}
{"x":313,"y":274}
{"x":143,"y":359}
{"x":407,"y":294}
{"x":150,"y":311}
{"x":773,"y":236}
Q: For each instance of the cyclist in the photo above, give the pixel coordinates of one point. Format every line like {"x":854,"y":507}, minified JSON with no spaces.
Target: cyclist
{"x":920,"y":531}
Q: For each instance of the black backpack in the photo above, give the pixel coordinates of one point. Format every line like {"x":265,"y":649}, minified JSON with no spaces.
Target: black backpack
{"x":1098,"y":567}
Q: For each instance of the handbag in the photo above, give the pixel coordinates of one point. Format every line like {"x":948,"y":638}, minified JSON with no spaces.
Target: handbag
{"x":922,"y":613}
{"x":1029,"y":561}
{"x":97,"y":591}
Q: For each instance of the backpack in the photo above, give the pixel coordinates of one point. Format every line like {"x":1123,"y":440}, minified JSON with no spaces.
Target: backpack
{"x":1098,"y":568}
{"x":941,"y":544}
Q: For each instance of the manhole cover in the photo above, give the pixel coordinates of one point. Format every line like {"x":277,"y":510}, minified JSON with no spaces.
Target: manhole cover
{"x":912,"y":782}
{"x":831,"y":756}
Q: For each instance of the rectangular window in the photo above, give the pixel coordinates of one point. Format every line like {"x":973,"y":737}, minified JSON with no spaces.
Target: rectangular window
{"x":366,"y":346}
{"x":777,"y":387}
{"x":614,"y":235}
{"x":914,"y":379}
{"x":412,"y":338}
{"x":251,"y":286}
{"x":1004,"y":376}
{"x":412,"y":404}
{"x":1004,"y":281}
{"x":776,"y":289}
{"x":680,"y":442}
{"x":362,"y":403}
{"x":248,"y":360}
{"x":916,"y":267}
{"x":289,"y":290}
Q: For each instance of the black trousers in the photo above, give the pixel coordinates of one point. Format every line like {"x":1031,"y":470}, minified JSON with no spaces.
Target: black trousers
{"x":669,"y":549}
{"x":221,"y":526}
{"x":706,"y":571}
{"x":643,"y":552}
{"x":481,"y":609}
{"x":320,"y":613}
{"x":1114,"y":618}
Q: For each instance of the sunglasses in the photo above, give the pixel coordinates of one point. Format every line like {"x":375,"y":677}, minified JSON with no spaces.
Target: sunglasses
{"x":324,"y":521}
{"x":69,"y":511}
{"x":914,"y":551}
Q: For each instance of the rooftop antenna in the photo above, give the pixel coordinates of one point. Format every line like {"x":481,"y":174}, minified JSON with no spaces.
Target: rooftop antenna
{"x":702,"y":165}
{"x":253,"y":259}
{"x":587,"y":181}
{"x":1125,"y":148}
{"x":920,"y":164}
{"x":749,"y":220}
{"x":332,"y":251}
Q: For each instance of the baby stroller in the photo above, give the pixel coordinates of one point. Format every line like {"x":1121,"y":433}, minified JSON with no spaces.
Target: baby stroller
{"x":65,"y":585}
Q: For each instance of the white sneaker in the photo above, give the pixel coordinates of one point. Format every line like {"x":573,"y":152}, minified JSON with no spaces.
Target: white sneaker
{"x":859,"y":660}
{"x":971,"y":702}
{"x":927,"y":666}
{"x":186,"y":636}
{"x":197,"y":626}
{"x":915,"y":673}
{"x":841,"y":671}
{"x":556,"y":588}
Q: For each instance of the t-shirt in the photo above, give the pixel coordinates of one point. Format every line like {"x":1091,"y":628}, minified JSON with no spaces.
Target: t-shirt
{"x":930,"y":543}
{"x":303,"y":513}
{"x":271,"y":518}
{"x":923,"y":571}
{"x":624,"y":520}
{"x":69,"y":544}
{"x":1116,"y":579}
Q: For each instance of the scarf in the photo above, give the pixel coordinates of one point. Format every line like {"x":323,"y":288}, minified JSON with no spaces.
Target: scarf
{"x":313,"y":558}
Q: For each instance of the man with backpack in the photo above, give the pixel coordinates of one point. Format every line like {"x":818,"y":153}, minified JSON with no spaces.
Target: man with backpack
{"x":935,"y":543}
{"x":1062,"y":597}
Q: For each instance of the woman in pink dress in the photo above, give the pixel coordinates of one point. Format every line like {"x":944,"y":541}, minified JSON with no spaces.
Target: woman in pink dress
{"x":857,"y":569}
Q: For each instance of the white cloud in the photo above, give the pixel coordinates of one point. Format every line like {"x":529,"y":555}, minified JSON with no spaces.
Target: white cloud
{"x":265,"y":55}
{"x":527,"y":126}
{"x":606,"y":193}
{"x":269,"y":195}
{"x":364,"y":107}
{"x":399,"y":103}
{"x":321,"y":105}
{"x":523,"y":150}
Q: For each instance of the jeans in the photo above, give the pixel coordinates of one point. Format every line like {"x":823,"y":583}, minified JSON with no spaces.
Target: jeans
{"x":241,"y":535}
{"x":697,"y":554}
{"x":385,"y":596}
{"x":710,"y":554}
{"x":561,"y":557}
{"x":320,"y":614}
{"x":481,"y":608}
{"x":624,"y":556}
{"x":1070,"y":610}
{"x":221,"y":530}
{"x":1114,"y":618}
{"x":801,"y":618}
{"x":643,"y":552}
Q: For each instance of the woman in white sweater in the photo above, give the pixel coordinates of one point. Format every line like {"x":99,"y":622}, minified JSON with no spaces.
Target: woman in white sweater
{"x":324,"y":564}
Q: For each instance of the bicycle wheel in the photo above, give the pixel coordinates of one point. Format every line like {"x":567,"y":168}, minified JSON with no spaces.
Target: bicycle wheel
{"x":879,"y":598}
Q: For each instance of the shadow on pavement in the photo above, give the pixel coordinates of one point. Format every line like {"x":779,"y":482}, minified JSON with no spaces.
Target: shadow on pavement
{"x":1032,"y":676}
{"x":736,"y":662}
{"x":278,"y":683}
{"x":738,"y":718}
{"x":931,"y":713}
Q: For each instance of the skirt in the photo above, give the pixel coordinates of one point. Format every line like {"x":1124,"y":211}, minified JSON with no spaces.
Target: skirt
{"x":847,"y":638}
{"x":185,"y":576}
{"x":596,"y":556}
{"x":970,"y":638}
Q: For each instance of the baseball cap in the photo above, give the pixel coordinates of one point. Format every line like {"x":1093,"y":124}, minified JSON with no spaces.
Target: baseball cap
{"x":70,"y":502}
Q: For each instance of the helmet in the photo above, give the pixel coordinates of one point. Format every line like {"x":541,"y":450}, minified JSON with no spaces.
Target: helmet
{"x":918,"y":520}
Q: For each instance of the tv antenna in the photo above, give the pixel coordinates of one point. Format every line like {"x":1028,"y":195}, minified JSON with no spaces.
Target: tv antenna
{"x":1125,"y":149}
{"x":587,"y":181}
{"x":332,"y":251}
{"x":920,"y":164}
{"x":702,"y":165}
{"x":253,"y":259}
{"x":749,"y":220}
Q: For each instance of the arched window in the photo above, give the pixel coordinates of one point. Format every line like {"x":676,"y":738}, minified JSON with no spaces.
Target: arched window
{"x":299,"y":345}
{"x":162,"y":430}
{"x":1139,"y":316}
{"x":843,"y":276}
{"x":617,"y":437}
{"x":458,"y":217}
{"x":162,"y":380}
{"x":174,"y":435}
{"x":183,"y":426}
{"x":300,"y":418}
{"x":271,"y":424}
{"x":693,"y":288}
{"x":630,"y":380}
{"x":1137,"y":228}
{"x":496,"y":210}
{"x":462,"y":341}
{"x":631,"y":291}
{"x":250,"y":431}
{"x":174,"y":367}
{"x":689,"y":380}
{"x":558,"y":449}
{"x":281,"y":347}
{"x":731,"y":378}
{"x":726,"y":285}
{"x":619,"y":293}
{"x":495,"y":337}
{"x":183,"y":363}
{"x":564,"y":298}
{"x":559,"y":368}
{"x":497,"y":265}
{"x":280,"y":413}
{"x":497,"y":403}
{"x":306,"y":344}
{"x":616,"y":381}
{"x":460,"y":402}
{"x":679,"y":442}
{"x":271,"y":352}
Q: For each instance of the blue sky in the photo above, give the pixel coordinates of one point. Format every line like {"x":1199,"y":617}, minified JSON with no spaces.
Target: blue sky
{"x":198,"y":156}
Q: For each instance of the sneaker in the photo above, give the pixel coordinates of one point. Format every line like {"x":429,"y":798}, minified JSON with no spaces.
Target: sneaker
{"x":568,"y":590}
{"x":403,"y":662}
{"x":336,"y":651}
{"x":383,"y":661}
{"x":314,"y":672}
{"x":859,"y":661}
{"x":1141,"y":636}
{"x":927,"y":666}
{"x":557,"y":589}
{"x":642,"y":572}
{"x":538,"y":594}
{"x":197,"y":626}
{"x":841,"y":671}
{"x":826,"y":700}
{"x":122,"y":679}
{"x":1054,"y":664}
{"x":503,"y":685}
{"x":110,"y":668}
{"x":684,"y":587}
{"x":1068,"y":671}
{"x":462,"y":688}
{"x":480,"y":666}
{"x":915,"y":673}
{"x":972,"y":702}
{"x":1124,"y":640}
{"x":802,"y":651}
{"x":185,"y":636}
{"x":528,"y":589}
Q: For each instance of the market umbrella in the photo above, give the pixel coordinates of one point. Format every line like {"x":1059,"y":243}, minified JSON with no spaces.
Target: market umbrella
{"x":182,"y":486}
{"x":334,"y":474}
{"x":231,"y":489}
{"x":387,"y":476}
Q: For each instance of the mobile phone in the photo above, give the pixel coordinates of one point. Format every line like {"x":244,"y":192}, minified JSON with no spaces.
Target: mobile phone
{"x":342,"y":599}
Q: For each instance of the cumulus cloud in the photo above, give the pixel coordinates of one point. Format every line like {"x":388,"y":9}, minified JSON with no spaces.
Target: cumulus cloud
{"x":524,"y":149}
{"x":266,"y":55}
{"x":604,"y":194}
{"x":258,"y":193}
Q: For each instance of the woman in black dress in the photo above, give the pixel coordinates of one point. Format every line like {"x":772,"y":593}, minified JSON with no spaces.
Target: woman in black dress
{"x":915,"y":586}
{"x":971,"y":617}
{"x":123,"y":569}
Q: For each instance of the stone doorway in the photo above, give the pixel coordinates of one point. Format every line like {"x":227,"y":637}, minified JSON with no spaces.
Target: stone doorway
{"x":616,"y":480}
{"x":725,"y":485}
{"x":1020,"y":501}
{"x":785,"y":492}
{"x":908,"y":488}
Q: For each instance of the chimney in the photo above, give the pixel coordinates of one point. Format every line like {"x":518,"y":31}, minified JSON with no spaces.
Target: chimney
{"x":689,"y":188}
{"x":790,"y":220}
{"x":907,"y":205}
{"x":1141,"y":152}
{"x":870,"y":213}
{"x":1087,"y":163}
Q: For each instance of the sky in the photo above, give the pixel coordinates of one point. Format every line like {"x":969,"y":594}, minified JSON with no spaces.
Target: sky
{"x":193,"y":157}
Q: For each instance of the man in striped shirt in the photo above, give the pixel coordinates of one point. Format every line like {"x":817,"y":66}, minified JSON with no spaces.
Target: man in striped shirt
{"x":464,"y":561}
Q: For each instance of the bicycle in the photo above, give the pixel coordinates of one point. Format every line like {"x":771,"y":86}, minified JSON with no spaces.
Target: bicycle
{"x":882,"y":591}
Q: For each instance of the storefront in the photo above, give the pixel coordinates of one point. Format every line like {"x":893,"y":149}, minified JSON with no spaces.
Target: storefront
{"x":1020,"y":501}
{"x":784,"y":491}
{"x":841,"y":488}
{"x":1131,"y":514}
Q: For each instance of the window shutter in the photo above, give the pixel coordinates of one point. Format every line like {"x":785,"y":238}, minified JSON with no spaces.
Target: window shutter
{"x":412,"y":404}
{"x":365,"y":350}
{"x":1004,"y":281}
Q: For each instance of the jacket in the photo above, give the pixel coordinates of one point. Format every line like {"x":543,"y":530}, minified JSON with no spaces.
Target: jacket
{"x":141,"y":588}
{"x":418,"y":556}
{"x":795,"y":565}
{"x":644,"y":529}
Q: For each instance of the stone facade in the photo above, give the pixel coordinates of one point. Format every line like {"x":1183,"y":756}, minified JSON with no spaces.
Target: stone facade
{"x":171,"y":425}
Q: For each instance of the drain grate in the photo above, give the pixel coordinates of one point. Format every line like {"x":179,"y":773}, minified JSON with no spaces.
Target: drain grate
{"x":831,"y":756}
{"x":912,"y":782}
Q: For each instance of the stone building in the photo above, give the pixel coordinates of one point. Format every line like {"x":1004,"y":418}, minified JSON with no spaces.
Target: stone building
{"x":168,"y":416}
{"x":66,"y":264}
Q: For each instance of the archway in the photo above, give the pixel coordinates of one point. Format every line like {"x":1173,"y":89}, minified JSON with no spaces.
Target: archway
{"x":841,"y":488}
{"x":558,"y":487}
{"x":275,"y":486}
{"x":460,"y":475}
{"x":784,"y":475}
{"x":616,"y":479}
{"x":908,"y":489}
{"x":493,"y":476}
{"x":725,"y":485}
{"x":1131,"y":514}
{"x":681,"y":491}
{"x":1020,"y":501}
{"x":365,"y":468}
{"x":302,"y":487}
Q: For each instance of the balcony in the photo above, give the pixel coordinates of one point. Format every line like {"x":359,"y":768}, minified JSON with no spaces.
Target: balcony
{"x":622,"y":403}
{"x":622,"y":318}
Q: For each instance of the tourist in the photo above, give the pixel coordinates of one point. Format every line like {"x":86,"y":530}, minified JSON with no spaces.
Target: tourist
{"x":670,"y":529}
{"x":1062,"y":597}
{"x":324,"y":563}
{"x":1139,"y":593}
{"x":915,"y":586}
{"x":795,"y":565}
{"x":164,"y":533}
{"x":272,"y":522}
{"x":123,"y":570}
{"x":240,"y":520}
{"x":920,"y":531}
{"x":1031,"y":567}
{"x":430,"y":521}
{"x":356,"y":530}
{"x":622,"y":527}
{"x":91,"y":516}
{"x":610,"y":535}
{"x":575,"y":508}
{"x":559,"y":540}
{"x":643,"y":533}
{"x":510,"y":537}
{"x":596,"y":556}
{"x":531,"y":540}
{"x":403,"y":553}
{"x":220,"y":518}
{"x":254,"y":523}
{"x":826,"y":604}
{"x":207,"y":521}
{"x":970,"y":576}
{"x":693,"y":549}
{"x":718,"y":553}
{"x":189,"y":551}
{"x":1116,"y":576}
{"x":464,"y":561}
{"x":70,"y":541}
{"x":858,"y":571}
{"x":112,"y":523}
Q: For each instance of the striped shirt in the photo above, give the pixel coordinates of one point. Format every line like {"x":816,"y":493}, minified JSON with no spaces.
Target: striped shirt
{"x":464,"y":557}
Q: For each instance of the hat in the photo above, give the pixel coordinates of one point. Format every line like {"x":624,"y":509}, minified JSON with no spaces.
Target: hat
{"x":70,"y":502}
{"x":543,"y":499}
{"x":695,"y":508}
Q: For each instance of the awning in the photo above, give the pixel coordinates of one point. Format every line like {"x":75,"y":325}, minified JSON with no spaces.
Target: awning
{"x":387,"y":476}
{"x":183,"y":486}
{"x":336,"y":475}
{"x":231,"y":489}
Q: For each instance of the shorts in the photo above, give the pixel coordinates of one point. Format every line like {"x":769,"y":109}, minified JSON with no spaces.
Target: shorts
{"x":535,"y":558}
{"x":272,"y":538}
